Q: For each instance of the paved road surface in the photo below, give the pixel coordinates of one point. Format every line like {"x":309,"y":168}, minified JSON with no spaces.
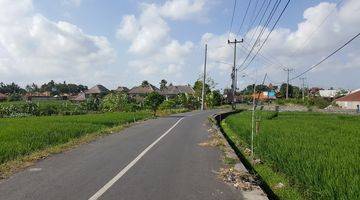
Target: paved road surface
{"x":156,"y":159}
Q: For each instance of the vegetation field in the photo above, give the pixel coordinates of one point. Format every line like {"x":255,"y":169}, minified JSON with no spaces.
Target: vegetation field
{"x":22,"y":136}
{"x":312,"y":154}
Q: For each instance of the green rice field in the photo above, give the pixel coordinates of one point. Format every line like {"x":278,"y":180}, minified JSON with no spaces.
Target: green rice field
{"x":316,"y":155}
{"x":22,"y":136}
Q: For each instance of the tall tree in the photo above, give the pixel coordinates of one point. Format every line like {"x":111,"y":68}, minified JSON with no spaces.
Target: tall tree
{"x":283,"y":90}
{"x":163,"y":83}
{"x":145,"y":83}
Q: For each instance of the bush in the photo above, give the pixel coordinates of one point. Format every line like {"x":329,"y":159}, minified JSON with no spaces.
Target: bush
{"x":168,"y":104}
{"x":115,"y":102}
{"x":153,"y":101}
{"x":31,"y":108}
{"x":14,"y":97}
{"x":91,"y":104}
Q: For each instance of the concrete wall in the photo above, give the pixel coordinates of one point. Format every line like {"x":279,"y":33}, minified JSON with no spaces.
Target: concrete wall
{"x":348,"y":104}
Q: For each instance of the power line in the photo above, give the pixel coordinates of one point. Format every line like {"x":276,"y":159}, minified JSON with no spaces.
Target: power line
{"x":307,"y":41}
{"x":262,"y":17}
{"x":327,"y":57}
{"x":232,"y":18}
{"x":271,"y":14}
{"x":267,"y":37}
{"x":242,"y":21}
{"x":252,"y":16}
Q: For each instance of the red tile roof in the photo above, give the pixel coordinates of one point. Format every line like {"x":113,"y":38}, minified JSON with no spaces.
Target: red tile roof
{"x":355,"y":96}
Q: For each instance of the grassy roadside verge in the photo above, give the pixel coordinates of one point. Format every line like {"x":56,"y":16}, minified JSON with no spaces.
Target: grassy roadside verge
{"x":264,"y":170}
{"x":313,"y":155}
{"x":25,"y":140}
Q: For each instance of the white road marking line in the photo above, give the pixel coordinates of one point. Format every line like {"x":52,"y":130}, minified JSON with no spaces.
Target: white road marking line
{"x":131,"y":164}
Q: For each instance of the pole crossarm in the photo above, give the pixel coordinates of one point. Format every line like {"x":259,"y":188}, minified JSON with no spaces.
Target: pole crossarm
{"x":233,"y":73}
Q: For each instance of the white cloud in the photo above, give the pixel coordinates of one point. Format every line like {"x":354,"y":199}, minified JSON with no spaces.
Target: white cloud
{"x":155,"y":51}
{"x":35,"y":48}
{"x":294,"y":49}
{"x":75,"y":3}
{"x":183,"y":9}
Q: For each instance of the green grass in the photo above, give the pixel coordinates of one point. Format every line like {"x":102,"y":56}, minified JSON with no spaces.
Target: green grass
{"x":23,"y":136}
{"x":316,"y":154}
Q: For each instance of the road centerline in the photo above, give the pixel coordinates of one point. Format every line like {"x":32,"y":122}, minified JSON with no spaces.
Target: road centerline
{"x":108,"y":185}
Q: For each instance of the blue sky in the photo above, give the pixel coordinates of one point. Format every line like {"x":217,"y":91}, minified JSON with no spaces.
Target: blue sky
{"x":96,"y":45}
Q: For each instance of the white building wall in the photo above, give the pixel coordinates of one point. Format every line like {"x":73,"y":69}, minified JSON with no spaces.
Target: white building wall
{"x":348,"y":104}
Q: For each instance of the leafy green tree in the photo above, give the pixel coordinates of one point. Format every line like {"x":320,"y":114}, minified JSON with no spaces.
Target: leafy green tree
{"x":11,"y":88}
{"x":283,"y":90}
{"x":297,"y":93}
{"x":153,"y":101}
{"x":163,"y":84}
{"x":198,"y":88}
{"x":145,"y":83}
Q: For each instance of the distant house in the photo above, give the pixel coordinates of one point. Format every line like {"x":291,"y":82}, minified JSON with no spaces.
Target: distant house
{"x":143,"y":90}
{"x":79,"y":97}
{"x":139,"y":92}
{"x":314,"y":91}
{"x":122,"y":89}
{"x":97,"y":90}
{"x":350,"y":101}
{"x":39,"y":96}
{"x":328,"y":93}
{"x":172,"y":91}
{"x":265,"y":96}
{"x":3,"y":97}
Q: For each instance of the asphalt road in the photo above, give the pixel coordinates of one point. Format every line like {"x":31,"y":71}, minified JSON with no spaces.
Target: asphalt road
{"x":155,"y":159}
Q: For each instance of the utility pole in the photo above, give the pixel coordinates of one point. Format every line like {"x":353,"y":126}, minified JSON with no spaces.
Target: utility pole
{"x":303,"y":87}
{"x":233,"y":73}
{"x":288,"y":70}
{"x":204,"y":79}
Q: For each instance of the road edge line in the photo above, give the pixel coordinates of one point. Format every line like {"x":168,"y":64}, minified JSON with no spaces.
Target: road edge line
{"x":108,"y":185}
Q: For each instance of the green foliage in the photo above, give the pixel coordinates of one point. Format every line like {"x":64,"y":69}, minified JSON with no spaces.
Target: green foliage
{"x":214,"y":99}
{"x":57,"y":88}
{"x":14,"y":97}
{"x":145,"y":83}
{"x":168,"y":104}
{"x":163,"y":83}
{"x":198,"y":88}
{"x":153,"y":101}
{"x":91,"y":104}
{"x":22,"y":136}
{"x":115,"y":102}
{"x":317,"y":153}
{"x":283,"y":90}
{"x":11,"y":88}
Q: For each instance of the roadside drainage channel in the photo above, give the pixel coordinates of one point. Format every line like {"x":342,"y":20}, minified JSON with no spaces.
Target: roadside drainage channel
{"x":217,"y":118}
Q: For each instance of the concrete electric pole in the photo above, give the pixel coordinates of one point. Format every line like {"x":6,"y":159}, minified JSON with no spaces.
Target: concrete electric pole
{"x":233,"y":73}
{"x":303,"y":87}
{"x":288,"y":70}
{"x":204,"y":80}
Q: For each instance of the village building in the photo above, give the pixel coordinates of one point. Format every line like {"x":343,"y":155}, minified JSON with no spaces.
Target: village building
{"x":143,"y":90}
{"x":97,"y":90}
{"x":350,"y":101}
{"x":172,"y":91}
{"x":3,"y":97}
{"x":39,"y":96}
{"x":79,"y":97}
{"x":330,"y":94}
{"x":122,"y":89}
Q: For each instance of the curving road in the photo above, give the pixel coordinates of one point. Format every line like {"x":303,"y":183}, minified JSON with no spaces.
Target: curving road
{"x":156,"y":159}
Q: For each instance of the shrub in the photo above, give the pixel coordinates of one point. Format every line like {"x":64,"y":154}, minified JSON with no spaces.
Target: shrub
{"x":153,"y":101}
{"x":168,"y":104}
{"x":115,"y":102}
